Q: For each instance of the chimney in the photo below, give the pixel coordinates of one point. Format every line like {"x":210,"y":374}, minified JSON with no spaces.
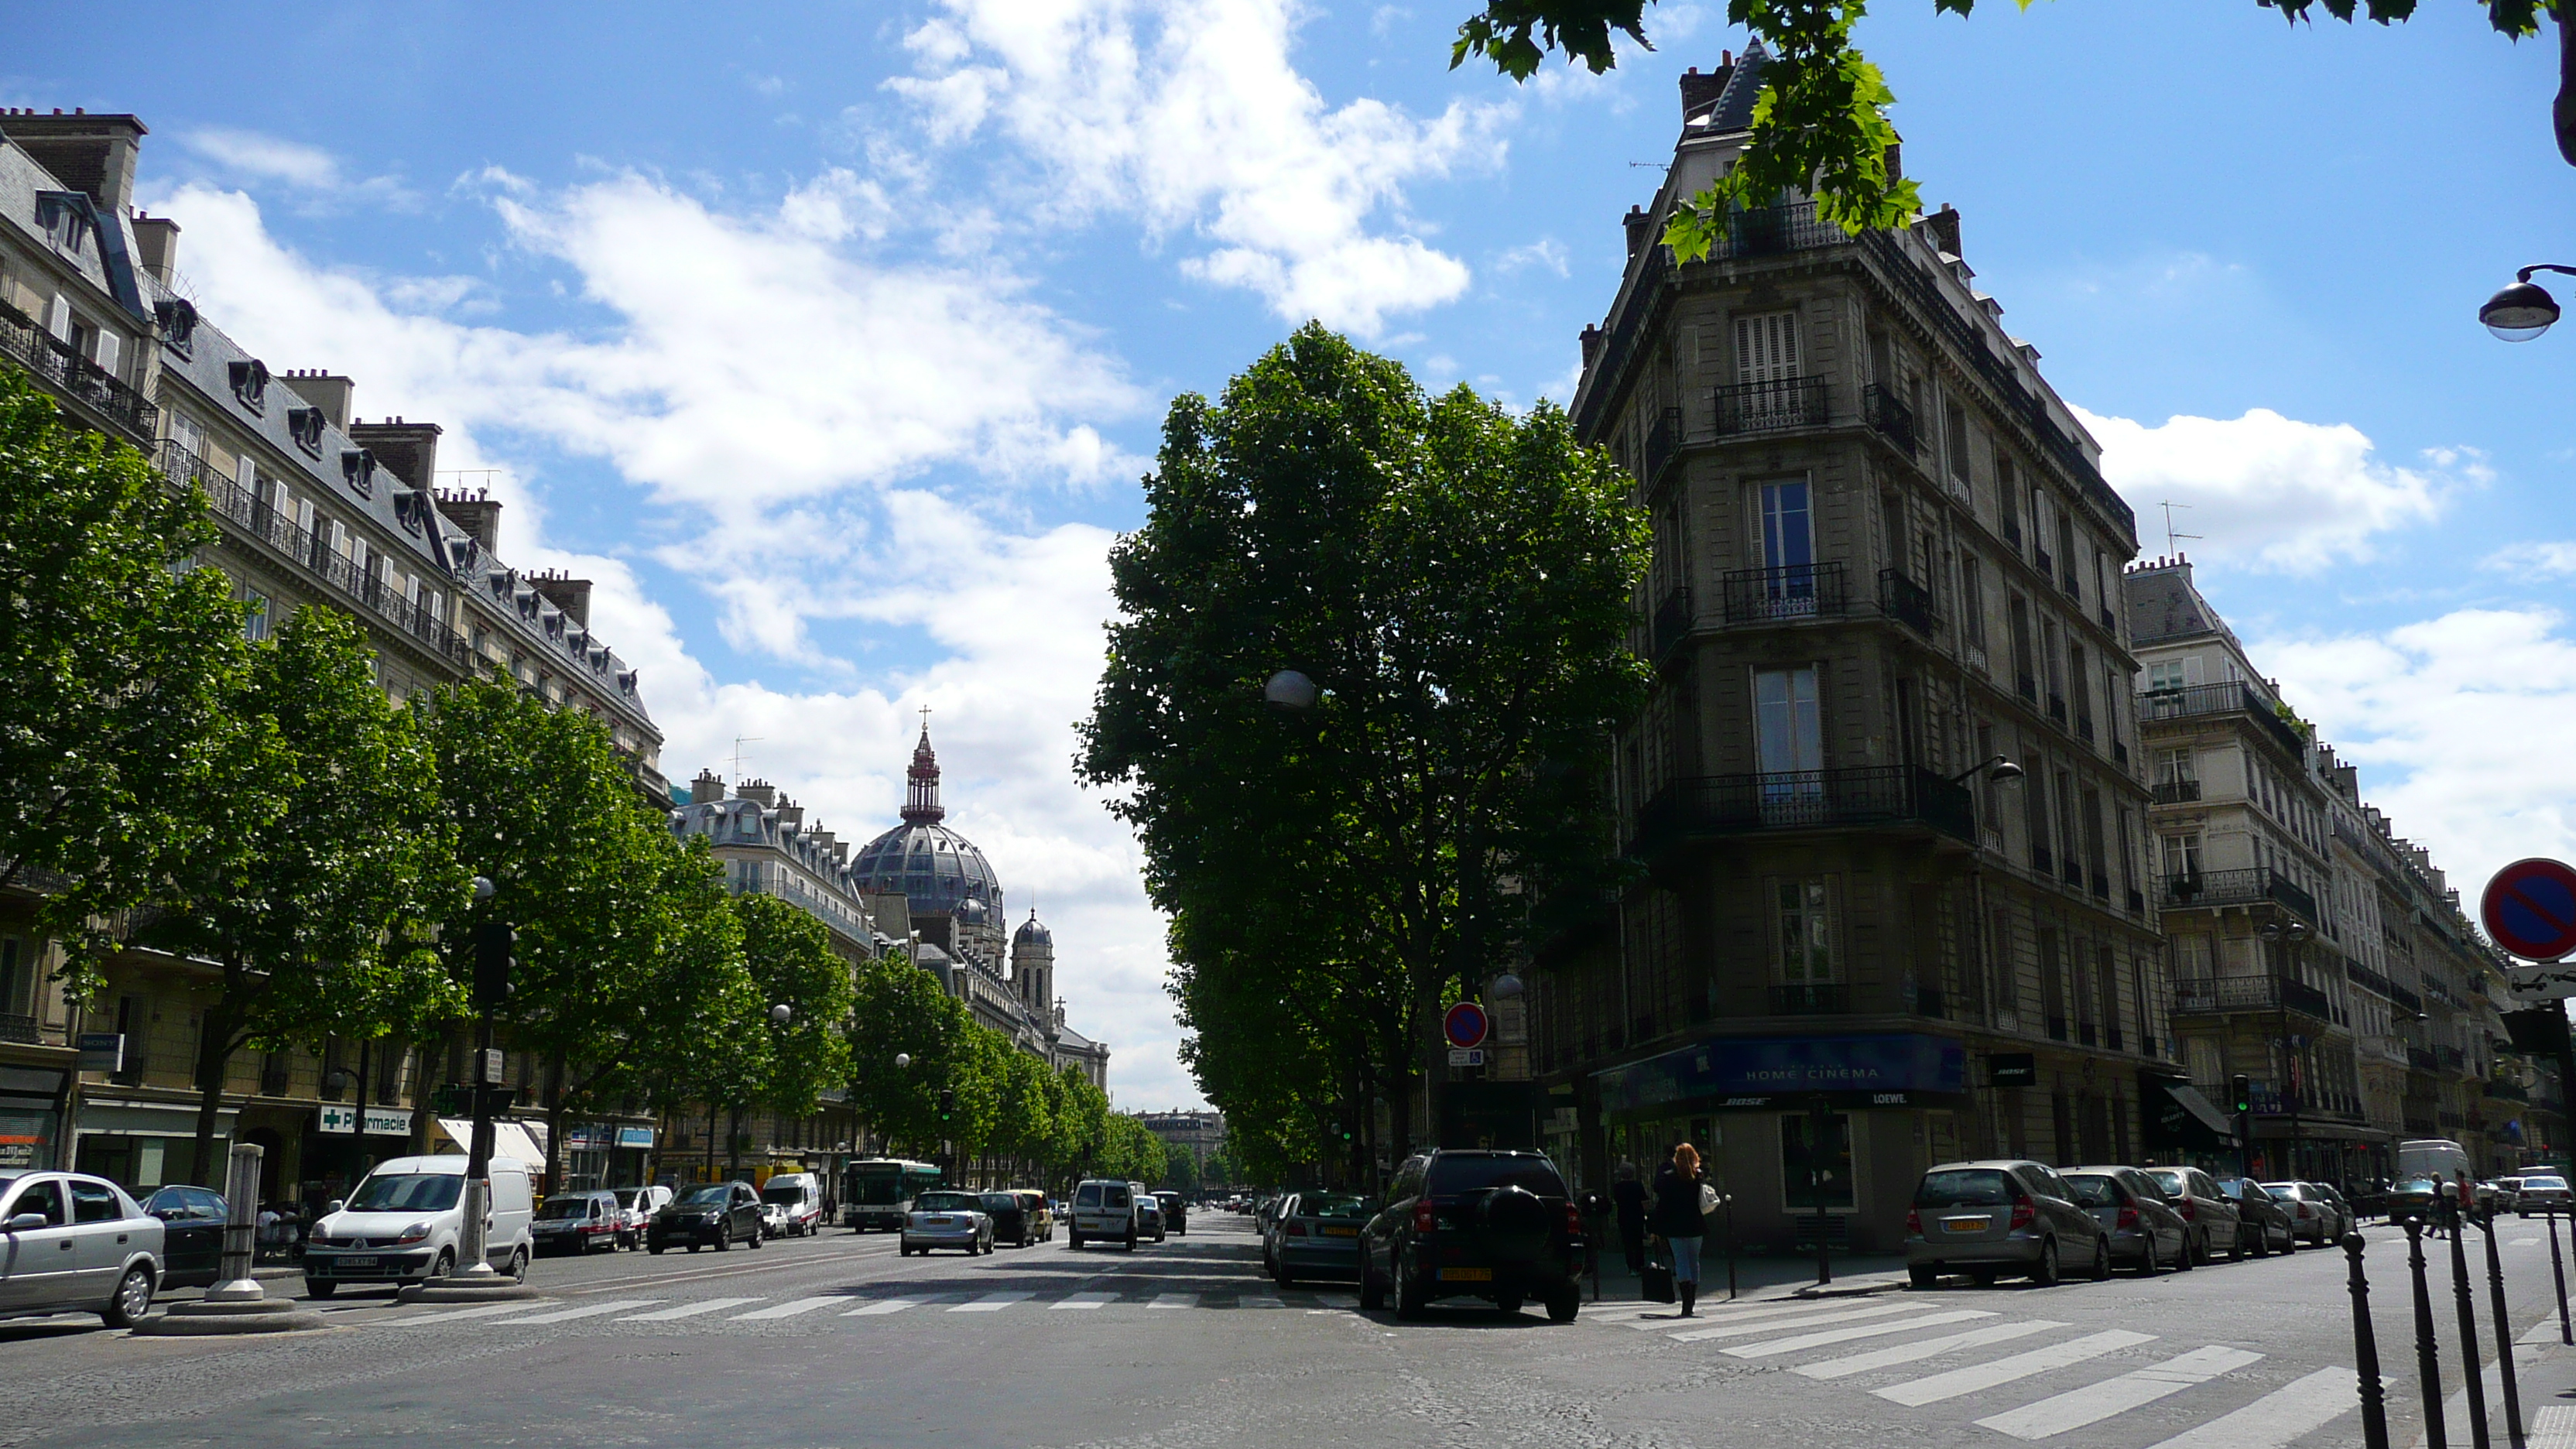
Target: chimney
{"x":87,"y":153}
{"x":157,"y":238}
{"x":1699,"y":92}
{"x":570,"y":595}
{"x":758,"y":792}
{"x":410,"y":450}
{"x":791,"y":815}
{"x":1942,"y":228}
{"x":478,"y":514}
{"x":325,"y":390}
{"x":1640,"y":229}
{"x":707,"y":788}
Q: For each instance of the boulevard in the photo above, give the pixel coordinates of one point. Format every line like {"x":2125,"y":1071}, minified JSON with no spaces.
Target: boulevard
{"x":837,"y":1340}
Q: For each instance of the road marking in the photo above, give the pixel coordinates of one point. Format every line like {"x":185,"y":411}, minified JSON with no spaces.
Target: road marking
{"x":688,"y":1310}
{"x":1916,"y":1393}
{"x":493,"y":1310}
{"x":1174,"y":1300}
{"x":1769,"y":1347}
{"x":1903,"y":1353}
{"x":588,"y":1310}
{"x":888,"y":1305}
{"x":2553,"y":1426}
{"x":1662,"y":1322}
{"x":2523,"y":1243}
{"x":992,"y":1303}
{"x":792,"y":1307}
{"x":1260,"y":1300}
{"x":1084,"y":1300}
{"x":2302,"y":1406}
{"x":1845,"y":1315}
{"x":2093,"y":1403}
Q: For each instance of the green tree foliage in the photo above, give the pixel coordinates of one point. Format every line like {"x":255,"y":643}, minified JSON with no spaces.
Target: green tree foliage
{"x":793,"y":965}
{"x":1180,"y":1170}
{"x":1821,"y":121}
{"x":316,"y":907}
{"x":122,"y":663}
{"x":1458,"y":579}
{"x":898,"y":1009}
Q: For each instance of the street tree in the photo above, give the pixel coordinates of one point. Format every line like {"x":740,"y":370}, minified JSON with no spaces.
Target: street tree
{"x":1457,"y":580}
{"x":316,"y":906}
{"x":900,"y":1010}
{"x":1821,"y":121}
{"x":792,"y":964}
{"x":122,"y":663}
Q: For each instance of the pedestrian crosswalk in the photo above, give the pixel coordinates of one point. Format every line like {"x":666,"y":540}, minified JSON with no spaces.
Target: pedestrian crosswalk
{"x":701,"y":1312}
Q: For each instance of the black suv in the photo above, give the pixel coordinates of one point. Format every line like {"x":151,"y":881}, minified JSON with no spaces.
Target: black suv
{"x":1475,"y":1224}
{"x":718,"y":1214}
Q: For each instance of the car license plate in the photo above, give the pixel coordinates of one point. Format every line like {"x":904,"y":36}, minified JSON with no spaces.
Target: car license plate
{"x":1967,"y":1225}
{"x":1466,"y":1275}
{"x":1341,"y":1232}
{"x":357,"y":1262}
{"x":936,"y":1222}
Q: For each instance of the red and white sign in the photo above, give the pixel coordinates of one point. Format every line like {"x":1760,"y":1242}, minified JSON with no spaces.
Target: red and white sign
{"x":1464,"y":1025}
{"x":2530,"y":909}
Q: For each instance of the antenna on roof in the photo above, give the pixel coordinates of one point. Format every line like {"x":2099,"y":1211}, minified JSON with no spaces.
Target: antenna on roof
{"x":2169,"y":506}
{"x":738,"y":742}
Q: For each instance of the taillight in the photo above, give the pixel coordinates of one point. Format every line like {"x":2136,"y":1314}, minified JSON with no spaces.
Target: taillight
{"x":2023,"y":1213}
{"x":2190,"y":1210}
{"x":1914,"y":1221}
{"x":2128,"y":1218}
{"x":1296,"y":1229}
{"x":1424,"y":1219}
{"x":1573,"y":1221}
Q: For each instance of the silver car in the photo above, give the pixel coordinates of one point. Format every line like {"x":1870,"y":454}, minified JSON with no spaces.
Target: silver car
{"x":2207,"y":1211}
{"x":2313,"y":1215}
{"x":2542,"y":1192}
{"x":70,"y":1242}
{"x":2146,"y":1230}
{"x":947,"y":1220}
{"x":2000,"y":1217}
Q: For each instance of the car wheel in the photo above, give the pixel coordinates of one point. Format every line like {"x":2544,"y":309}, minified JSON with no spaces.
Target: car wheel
{"x":1564,"y":1303}
{"x":519,"y":1266}
{"x":1372,"y":1292}
{"x":1924,"y":1276}
{"x":760,"y":1240}
{"x":2236,"y":1247}
{"x":1411,"y":1293}
{"x":1284,"y":1278}
{"x":2102,"y":1260}
{"x":1074,"y":1239}
{"x":2148,"y":1267}
{"x":2185,"y":1259}
{"x":319,"y":1290}
{"x":655,"y":1249}
{"x":1508,"y":1303}
{"x":2044,"y":1272}
{"x":1131,"y":1240}
{"x":132,"y":1300}
{"x":2262,"y":1243}
{"x":724,"y":1238}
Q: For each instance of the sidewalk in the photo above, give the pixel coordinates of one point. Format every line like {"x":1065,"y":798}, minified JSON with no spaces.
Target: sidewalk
{"x":1769,"y":1276}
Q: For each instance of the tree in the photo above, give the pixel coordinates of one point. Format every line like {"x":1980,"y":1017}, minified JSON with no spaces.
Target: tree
{"x":1459,"y":582}
{"x":1821,"y":124}
{"x":122,"y":663}
{"x":1180,"y":1170}
{"x":315,"y":904}
{"x":792,"y":964}
{"x":898,"y":1009}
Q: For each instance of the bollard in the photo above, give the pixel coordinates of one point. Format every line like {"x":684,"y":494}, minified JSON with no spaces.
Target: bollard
{"x":2471,"y":1378}
{"x":2428,"y":1347}
{"x":236,"y":1304}
{"x":2365,"y":1351}
{"x":2503,"y":1333}
{"x":2558,"y":1275}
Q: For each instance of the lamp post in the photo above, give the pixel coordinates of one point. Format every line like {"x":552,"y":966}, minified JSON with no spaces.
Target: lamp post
{"x":2289,"y":934}
{"x":2524,"y":310}
{"x":1997,"y":768}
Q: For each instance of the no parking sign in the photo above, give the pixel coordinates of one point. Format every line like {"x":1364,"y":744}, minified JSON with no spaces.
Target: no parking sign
{"x":2530,"y":909}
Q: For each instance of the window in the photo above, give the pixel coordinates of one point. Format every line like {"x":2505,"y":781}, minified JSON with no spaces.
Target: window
{"x":2164,"y":676}
{"x":1788,"y":732}
{"x":1766,"y":347}
{"x":255,"y":617}
{"x":2182,"y":855}
{"x":1812,"y":1177}
{"x":1955,"y":430}
{"x":1788,"y":535}
{"x":1805,"y":937}
{"x":2174,"y":767}
{"x":14,"y":978}
{"x":1972,"y":602}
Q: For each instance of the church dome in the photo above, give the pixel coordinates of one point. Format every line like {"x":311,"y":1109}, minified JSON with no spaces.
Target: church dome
{"x":1031,"y":933}
{"x":970,"y":911}
{"x":934,"y":868}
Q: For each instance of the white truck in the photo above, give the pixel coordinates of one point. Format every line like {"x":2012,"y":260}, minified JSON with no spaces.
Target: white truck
{"x":2433,"y":1156}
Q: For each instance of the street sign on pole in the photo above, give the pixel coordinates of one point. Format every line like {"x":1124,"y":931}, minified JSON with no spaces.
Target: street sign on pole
{"x":1464,"y":1025}
{"x":2529,"y":907}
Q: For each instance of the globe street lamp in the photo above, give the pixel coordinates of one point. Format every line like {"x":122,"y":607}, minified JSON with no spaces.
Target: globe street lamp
{"x":1292,"y":691}
{"x":2524,"y":310}
{"x":1997,"y":768}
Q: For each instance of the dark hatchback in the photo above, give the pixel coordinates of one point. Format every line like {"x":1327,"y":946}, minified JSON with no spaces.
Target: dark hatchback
{"x":192,"y":1234}
{"x":715,"y":1214}
{"x":1499,"y":1226}
{"x":2264,"y":1222}
{"x":1013,"y":1221}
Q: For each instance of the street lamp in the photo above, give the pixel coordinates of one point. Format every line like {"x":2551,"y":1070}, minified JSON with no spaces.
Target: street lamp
{"x":1291,"y":690}
{"x":902,"y":1060}
{"x":2524,"y":310}
{"x":780,"y":1014}
{"x":1997,"y":768}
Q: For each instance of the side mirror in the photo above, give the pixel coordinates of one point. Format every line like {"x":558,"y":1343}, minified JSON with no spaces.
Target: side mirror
{"x":334,"y":1205}
{"x":26,"y":1223}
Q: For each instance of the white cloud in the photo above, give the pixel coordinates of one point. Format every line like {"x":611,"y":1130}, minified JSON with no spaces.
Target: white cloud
{"x":2274,"y":493}
{"x":1190,"y":115}
{"x":310,"y":171}
{"x":1546,"y":252}
{"x":2555,"y":557}
{"x":2462,"y":724}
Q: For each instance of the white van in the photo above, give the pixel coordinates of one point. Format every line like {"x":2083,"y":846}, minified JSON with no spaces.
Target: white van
{"x":800,"y":1196}
{"x":2426,"y":1156}
{"x":403,"y":1221}
{"x":1104,"y":1210}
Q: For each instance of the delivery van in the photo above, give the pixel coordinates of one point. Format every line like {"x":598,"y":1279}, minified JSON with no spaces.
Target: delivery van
{"x":404,"y":1220}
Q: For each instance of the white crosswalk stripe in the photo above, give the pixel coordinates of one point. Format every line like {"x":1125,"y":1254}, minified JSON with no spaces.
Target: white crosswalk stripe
{"x":1656,"y":1319}
{"x":688,"y":1310}
{"x":792,"y":1307}
{"x":992,"y":1303}
{"x":884,"y":1305}
{"x":489,"y":1310}
{"x":2095,"y":1402}
{"x":1918,"y":1392}
{"x":2300,"y":1407}
{"x":1799,"y":1343}
{"x":1819,"y":1320}
{"x":1905,"y":1353}
{"x":1174,"y":1300}
{"x":587,"y":1310}
{"x":1260,"y":1300}
{"x":1084,"y":1300}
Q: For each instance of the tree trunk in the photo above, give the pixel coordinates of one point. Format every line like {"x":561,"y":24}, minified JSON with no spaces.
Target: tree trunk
{"x":214,"y":1064}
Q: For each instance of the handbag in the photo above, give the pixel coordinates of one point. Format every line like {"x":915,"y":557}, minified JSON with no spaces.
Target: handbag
{"x":1707,"y":1199}
{"x":1656,"y":1278}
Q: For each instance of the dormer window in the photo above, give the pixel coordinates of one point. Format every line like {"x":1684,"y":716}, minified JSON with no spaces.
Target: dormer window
{"x":358,"y":470}
{"x":178,"y":319}
{"x":411,"y":509}
{"x":250,"y":384}
{"x":305,"y":426}
{"x":64,"y":218}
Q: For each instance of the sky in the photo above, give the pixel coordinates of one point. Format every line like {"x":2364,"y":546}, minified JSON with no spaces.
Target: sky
{"x":832,"y":339}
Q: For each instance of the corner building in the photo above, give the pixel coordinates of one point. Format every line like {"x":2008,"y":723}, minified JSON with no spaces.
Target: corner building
{"x":1884,"y":560}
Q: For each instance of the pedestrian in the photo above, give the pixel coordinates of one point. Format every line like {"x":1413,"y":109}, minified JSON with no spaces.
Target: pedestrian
{"x":1629,"y":1196}
{"x":1678,"y":1220}
{"x":2446,"y":1210}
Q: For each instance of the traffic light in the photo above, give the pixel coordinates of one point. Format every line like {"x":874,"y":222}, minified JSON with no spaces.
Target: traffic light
{"x":2240,"y":1092}
{"x":947,"y":1103}
{"x":493,"y":943}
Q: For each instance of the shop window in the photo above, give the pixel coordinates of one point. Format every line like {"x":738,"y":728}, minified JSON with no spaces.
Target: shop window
{"x":1810,"y":1178}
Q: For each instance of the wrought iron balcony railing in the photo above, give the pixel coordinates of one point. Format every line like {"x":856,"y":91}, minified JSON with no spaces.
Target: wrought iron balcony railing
{"x":1710,"y":806}
{"x":2177,"y":792}
{"x":2209,"y":996}
{"x":2224,"y":697}
{"x":1787,"y":592}
{"x":2238,"y":887}
{"x":17,"y":1027}
{"x":1907,"y":602}
{"x":1811,"y":999}
{"x":1885,"y":411}
{"x":53,"y":360}
{"x":1761,"y":407}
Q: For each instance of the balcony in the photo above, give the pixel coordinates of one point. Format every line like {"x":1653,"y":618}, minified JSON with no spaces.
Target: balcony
{"x":1907,"y":602}
{"x":1662,"y":442}
{"x":2507,"y":1091}
{"x":1672,"y":621}
{"x":2120,"y":751}
{"x":2137,"y":901}
{"x":2422,"y":1059}
{"x":1763,"y":407}
{"x":1882,"y":410}
{"x":1767,"y":231}
{"x":2214,"y":996}
{"x":53,"y":360}
{"x":2177,"y":792}
{"x":2084,"y":728}
{"x":1717,"y":806}
{"x":2100,"y":884}
{"x":2012,"y":532}
{"x":2110,"y":621}
{"x":18,"y":1027}
{"x":1814,"y":999}
{"x":2027,"y":687}
{"x":2073,"y":872}
{"x":2057,"y":708}
{"x":2040,"y":560}
{"x":2225,"y":697}
{"x":2057,"y":1028}
{"x":2452,"y":1058}
{"x":1787,"y":592}
{"x":2237,"y":888}
{"x":2042,"y":861}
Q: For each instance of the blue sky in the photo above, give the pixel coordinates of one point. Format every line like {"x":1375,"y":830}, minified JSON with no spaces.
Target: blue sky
{"x":832,"y":342}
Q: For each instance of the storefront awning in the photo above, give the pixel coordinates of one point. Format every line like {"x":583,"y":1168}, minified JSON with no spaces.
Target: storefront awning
{"x":510,"y":1138}
{"x":2174,"y":1114}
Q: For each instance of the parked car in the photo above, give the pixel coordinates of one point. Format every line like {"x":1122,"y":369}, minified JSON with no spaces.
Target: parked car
{"x":2312,"y":1216}
{"x":2000,"y":1217}
{"x":405,"y":1219}
{"x":710,"y":1215}
{"x":2543,"y":1192}
{"x":2411,"y":1198}
{"x":1017,"y":1217}
{"x":2347,"y":1217}
{"x":947,"y":1220}
{"x":70,"y":1242}
{"x":1496,"y":1225}
{"x":576,"y":1222}
{"x":2210,"y":1215}
{"x":1318,"y":1236}
{"x":637,"y":1206}
{"x":1176,"y":1213}
{"x":1104,"y":1211}
{"x":798,"y":1196}
{"x":2147,"y":1231}
{"x":2265,"y":1222}
{"x":192,"y":1234}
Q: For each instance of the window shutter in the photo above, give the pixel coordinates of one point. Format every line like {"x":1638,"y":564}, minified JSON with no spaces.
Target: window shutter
{"x":1766,"y":347}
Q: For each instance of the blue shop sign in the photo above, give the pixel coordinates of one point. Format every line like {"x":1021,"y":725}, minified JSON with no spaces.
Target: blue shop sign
{"x":1754,"y":1070}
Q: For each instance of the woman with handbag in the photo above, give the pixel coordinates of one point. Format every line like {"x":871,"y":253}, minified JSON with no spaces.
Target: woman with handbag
{"x":1678,"y":1220}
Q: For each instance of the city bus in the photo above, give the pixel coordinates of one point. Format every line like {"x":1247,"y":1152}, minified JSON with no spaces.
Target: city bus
{"x":877,"y":1192}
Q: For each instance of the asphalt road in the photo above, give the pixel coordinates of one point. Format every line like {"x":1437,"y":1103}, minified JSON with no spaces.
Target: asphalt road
{"x":837,"y":1341}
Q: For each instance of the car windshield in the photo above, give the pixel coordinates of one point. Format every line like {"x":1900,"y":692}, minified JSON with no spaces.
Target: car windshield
{"x":565,"y":1207}
{"x":946,"y":1202}
{"x":790,"y":1195}
{"x":2282,"y":1191}
{"x":1963,"y":1187}
{"x":407,"y":1192}
{"x":714,"y":1194}
{"x":1346,"y":1205}
{"x":2549,"y":1184}
{"x":1454,"y":1173}
{"x":2415,"y":1184}
{"x":2091,"y":1191}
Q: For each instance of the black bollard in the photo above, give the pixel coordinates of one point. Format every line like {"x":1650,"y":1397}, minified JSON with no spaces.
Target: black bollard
{"x":2558,"y":1274}
{"x":2365,"y":1352}
{"x":2428,"y":1346}
{"x":2503,"y":1332}
{"x":2470,"y":1378}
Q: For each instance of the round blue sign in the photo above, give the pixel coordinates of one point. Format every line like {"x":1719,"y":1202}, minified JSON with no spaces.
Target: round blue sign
{"x":1464,"y":1025}
{"x":2530,"y":909}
